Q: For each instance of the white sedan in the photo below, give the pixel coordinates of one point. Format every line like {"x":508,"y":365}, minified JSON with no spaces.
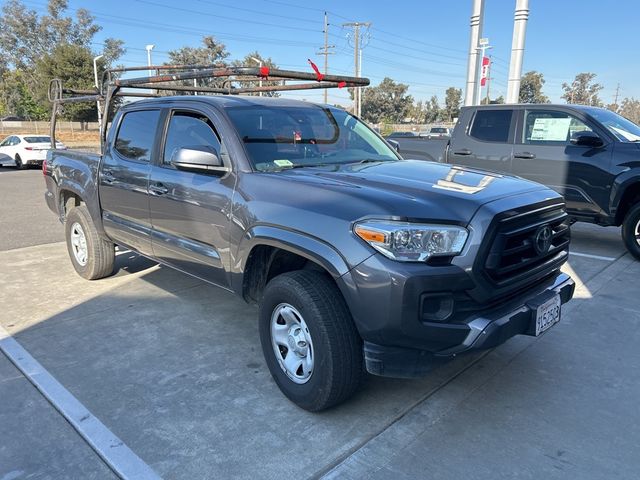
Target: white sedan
{"x":23,"y":150}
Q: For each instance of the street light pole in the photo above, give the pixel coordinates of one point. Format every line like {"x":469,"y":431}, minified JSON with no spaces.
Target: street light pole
{"x":95,"y":79}
{"x":148,"y":48}
{"x":255,"y":59}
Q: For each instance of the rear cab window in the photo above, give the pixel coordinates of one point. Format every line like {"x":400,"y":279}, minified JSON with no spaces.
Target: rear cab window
{"x":492,"y":125}
{"x":136,"y":135}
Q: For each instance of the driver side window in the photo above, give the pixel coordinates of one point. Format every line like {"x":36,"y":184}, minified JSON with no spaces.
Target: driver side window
{"x":189,"y":129}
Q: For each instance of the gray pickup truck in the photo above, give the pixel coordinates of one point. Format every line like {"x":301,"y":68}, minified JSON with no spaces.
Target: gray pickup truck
{"x":359,"y":261}
{"x":589,"y":155}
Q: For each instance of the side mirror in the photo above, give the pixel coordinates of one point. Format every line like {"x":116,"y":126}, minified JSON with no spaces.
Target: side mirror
{"x":586,"y":139}
{"x":394,"y":144}
{"x":199,"y":158}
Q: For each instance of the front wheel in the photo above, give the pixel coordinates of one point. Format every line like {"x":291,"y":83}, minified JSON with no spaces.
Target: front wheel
{"x":631,"y":231}
{"x":92,"y":256}
{"x":309,"y":341}
{"x":19,"y":164}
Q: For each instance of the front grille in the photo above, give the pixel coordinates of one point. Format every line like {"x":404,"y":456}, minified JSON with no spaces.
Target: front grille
{"x":528,"y":243}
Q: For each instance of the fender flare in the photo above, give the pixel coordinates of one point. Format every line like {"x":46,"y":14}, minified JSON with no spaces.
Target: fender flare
{"x":312,"y":248}
{"x":621,"y":184}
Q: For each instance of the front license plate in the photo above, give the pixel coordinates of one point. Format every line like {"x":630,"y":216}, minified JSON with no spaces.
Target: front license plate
{"x":548,"y":314}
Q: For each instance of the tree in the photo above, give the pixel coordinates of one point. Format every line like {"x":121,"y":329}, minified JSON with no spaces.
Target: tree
{"x":630,"y":108}
{"x":531,"y":88}
{"x":387,"y":102}
{"x":28,"y":41}
{"x":26,"y":37}
{"x":73,"y":64}
{"x":211,"y":53}
{"x":582,"y":90}
{"x":16,"y":98}
{"x":249,"y":60}
{"x":417,"y":112}
{"x":433,"y":112}
{"x":452,"y":103}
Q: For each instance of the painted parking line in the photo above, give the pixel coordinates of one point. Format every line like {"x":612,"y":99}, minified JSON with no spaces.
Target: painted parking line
{"x":595,"y":257}
{"x":120,"y":458}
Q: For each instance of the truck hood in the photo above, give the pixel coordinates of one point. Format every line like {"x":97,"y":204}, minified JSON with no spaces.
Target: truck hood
{"x":410,"y":189}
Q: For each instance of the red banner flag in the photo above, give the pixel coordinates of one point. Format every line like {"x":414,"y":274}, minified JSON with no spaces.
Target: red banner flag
{"x":485,"y":71}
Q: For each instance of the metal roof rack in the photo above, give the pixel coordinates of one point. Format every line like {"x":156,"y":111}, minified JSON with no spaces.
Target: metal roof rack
{"x":112,"y":86}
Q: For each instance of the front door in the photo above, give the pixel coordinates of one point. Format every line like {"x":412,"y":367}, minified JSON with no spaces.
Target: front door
{"x":544,"y":153}
{"x":190,"y":210}
{"x":124,"y":177}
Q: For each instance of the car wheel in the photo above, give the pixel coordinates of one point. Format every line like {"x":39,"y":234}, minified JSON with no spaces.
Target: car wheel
{"x":91,"y":255}
{"x":631,"y":231}
{"x":309,"y":341}
{"x":19,"y":164}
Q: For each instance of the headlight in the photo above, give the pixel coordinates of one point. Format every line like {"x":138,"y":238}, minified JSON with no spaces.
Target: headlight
{"x":412,"y":242}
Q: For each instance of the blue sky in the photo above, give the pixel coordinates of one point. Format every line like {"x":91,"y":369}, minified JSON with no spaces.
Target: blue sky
{"x":421,"y":43}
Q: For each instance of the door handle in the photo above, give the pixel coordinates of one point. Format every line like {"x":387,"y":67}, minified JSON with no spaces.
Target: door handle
{"x":464,"y":151}
{"x":524,"y":155}
{"x":158,"y":189}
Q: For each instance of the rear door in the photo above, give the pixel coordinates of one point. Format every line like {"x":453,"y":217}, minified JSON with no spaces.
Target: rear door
{"x":484,"y":139}
{"x":124,"y":178}
{"x":190,"y":211}
{"x":543,"y":153}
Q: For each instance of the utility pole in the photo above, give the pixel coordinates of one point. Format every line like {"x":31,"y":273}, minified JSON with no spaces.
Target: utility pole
{"x":615,"y":98}
{"x":358,"y":42}
{"x":325,"y":51}
{"x":477,"y":15}
{"x":148,"y":48}
{"x":517,"y":50}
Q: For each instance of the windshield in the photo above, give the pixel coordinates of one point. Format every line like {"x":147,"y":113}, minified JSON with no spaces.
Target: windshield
{"x":623,"y":129}
{"x":280,"y":137}
{"x":438,"y":130}
{"x":37,"y":139}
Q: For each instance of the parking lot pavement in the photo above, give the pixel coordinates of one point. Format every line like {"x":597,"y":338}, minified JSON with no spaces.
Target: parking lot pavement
{"x":562,"y":406}
{"x":24,"y":218}
{"x":173,"y":367}
{"x":36,"y":441}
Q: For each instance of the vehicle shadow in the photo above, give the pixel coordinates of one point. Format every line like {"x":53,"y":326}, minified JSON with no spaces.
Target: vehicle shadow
{"x":174,"y":367}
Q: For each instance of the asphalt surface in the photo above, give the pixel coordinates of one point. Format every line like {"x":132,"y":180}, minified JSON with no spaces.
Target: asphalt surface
{"x":23,"y":220}
{"x":173,"y":368}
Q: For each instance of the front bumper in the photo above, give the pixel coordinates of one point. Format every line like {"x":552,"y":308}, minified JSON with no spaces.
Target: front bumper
{"x":486,"y":330}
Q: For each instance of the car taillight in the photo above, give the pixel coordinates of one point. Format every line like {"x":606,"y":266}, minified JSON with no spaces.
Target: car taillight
{"x":28,"y":148}
{"x":44,"y":167}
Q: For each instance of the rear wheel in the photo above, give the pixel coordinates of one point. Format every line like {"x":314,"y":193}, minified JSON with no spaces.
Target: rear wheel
{"x":631,"y":231}
{"x":19,"y":164}
{"x":309,"y":341}
{"x":91,"y":255}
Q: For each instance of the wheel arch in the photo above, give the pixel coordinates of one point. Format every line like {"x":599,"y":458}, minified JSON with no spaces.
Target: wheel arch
{"x":270,"y":251}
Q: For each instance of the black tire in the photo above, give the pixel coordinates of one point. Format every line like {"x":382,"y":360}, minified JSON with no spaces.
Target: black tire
{"x":100,"y":253}
{"x":631,"y":232}
{"x":19,"y":164}
{"x":338,"y":368}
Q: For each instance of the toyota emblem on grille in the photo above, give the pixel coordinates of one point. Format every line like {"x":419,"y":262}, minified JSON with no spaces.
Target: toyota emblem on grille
{"x":542,"y":240}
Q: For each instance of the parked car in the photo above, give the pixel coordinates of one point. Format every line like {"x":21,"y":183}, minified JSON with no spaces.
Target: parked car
{"x":358,"y":260}
{"x":589,"y":155}
{"x":437,"y":132}
{"x":401,"y":134}
{"x":12,"y":118}
{"x":22,"y":151}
